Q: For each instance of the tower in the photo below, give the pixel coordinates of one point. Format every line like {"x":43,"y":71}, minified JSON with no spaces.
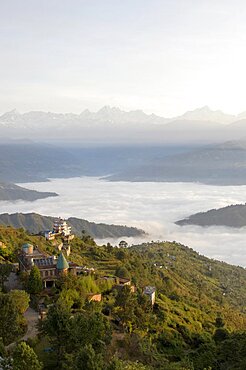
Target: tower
{"x":62,"y":264}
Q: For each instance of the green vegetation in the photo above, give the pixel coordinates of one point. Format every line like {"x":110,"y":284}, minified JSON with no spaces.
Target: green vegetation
{"x":14,"y":192}
{"x":34,"y":283}
{"x":11,"y":323}
{"x":231,"y":216}
{"x":5,"y":270}
{"x":197,"y":322}
{"x":25,"y":358}
{"x":35,"y":223}
{"x":20,"y":300}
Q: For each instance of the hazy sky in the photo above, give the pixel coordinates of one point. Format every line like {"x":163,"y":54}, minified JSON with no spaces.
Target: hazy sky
{"x":162,"y":56}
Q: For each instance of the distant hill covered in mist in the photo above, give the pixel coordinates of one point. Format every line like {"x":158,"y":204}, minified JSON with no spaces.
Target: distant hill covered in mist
{"x":11,"y":192}
{"x":27,"y":161}
{"x":35,"y":223}
{"x":230,"y":216}
{"x":223,"y":164}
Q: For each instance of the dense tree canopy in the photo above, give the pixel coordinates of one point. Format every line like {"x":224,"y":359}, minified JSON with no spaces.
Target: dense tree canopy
{"x":9,"y":319}
{"x":34,"y":285}
{"x":25,"y":358}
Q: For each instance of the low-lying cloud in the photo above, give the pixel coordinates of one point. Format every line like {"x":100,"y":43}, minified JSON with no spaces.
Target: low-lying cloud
{"x":151,"y":206}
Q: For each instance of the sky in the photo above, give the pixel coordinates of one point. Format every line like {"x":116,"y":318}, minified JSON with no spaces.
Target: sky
{"x":154,"y":207}
{"x":161,"y":56}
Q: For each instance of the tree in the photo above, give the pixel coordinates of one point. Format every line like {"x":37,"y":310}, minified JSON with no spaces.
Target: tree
{"x":121,"y":254}
{"x":125,"y":306}
{"x":34,"y":284}
{"x":58,"y":326}
{"x":122,"y":272}
{"x":20,"y":299}
{"x":91,"y":328}
{"x":9,"y":322}
{"x":220,"y":334}
{"x":24,"y":357}
{"x":5,"y":270}
{"x":88,"y":359}
{"x":69,"y":333}
{"x":117,"y":364}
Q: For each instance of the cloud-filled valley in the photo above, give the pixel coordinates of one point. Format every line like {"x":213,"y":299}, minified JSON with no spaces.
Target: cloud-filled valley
{"x":152,"y":206}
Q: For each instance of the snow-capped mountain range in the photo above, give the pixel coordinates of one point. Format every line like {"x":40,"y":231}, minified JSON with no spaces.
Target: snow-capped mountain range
{"x":114,"y":125}
{"x":115,"y":115}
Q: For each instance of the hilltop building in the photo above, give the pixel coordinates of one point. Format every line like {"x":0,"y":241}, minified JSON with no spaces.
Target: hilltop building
{"x":63,"y":231}
{"x":61,"y":227}
{"x":50,"y":267}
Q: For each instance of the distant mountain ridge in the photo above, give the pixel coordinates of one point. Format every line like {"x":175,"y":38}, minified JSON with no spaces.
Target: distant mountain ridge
{"x":223,"y":164}
{"x":35,"y":223}
{"x":111,"y":124}
{"x":230,"y":216}
{"x":207,"y":114}
{"x":11,"y":192}
{"x":106,"y":114}
{"x":117,"y":116}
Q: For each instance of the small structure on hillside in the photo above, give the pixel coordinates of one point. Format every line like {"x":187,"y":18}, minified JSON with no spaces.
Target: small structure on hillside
{"x":120,"y":283}
{"x":150,"y":292}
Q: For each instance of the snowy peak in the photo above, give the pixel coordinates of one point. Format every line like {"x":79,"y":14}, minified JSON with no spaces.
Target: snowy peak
{"x":105,"y":116}
{"x":10,"y":117}
{"x":207,"y":114}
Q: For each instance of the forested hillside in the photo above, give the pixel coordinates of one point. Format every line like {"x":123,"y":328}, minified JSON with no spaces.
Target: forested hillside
{"x":35,"y":223}
{"x":231,"y":216}
{"x":197,"y":322}
{"x":13,"y":192}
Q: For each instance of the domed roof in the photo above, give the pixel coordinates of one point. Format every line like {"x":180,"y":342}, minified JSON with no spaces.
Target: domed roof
{"x":27,"y":245}
{"x":62,"y":263}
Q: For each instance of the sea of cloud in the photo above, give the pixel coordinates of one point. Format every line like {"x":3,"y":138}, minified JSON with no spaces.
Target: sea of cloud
{"x":153,"y":207}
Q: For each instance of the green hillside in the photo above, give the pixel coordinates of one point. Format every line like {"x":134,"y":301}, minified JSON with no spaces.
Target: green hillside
{"x":198,"y":320}
{"x":13,"y":192}
{"x":231,"y":216}
{"x":35,"y":223}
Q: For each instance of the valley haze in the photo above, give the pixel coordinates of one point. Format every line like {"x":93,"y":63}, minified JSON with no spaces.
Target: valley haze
{"x":153,"y":207}
{"x":157,"y":167}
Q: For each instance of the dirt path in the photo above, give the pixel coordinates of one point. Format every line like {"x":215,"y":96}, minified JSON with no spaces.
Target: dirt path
{"x":13,"y":282}
{"x":31,"y":317}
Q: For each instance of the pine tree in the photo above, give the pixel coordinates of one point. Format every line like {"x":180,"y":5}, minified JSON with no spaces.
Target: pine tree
{"x":9,"y":323}
{"x":88,"y":359}
{"x":24,"y":357}
{"x":35,"y":284}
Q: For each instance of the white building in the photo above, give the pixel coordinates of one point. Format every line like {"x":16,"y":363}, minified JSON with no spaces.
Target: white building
{"x":61,"y":227}
{"x":150,"y":292}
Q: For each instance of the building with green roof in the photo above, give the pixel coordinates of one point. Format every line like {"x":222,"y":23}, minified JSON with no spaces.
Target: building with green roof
{"x":62,"y":263}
